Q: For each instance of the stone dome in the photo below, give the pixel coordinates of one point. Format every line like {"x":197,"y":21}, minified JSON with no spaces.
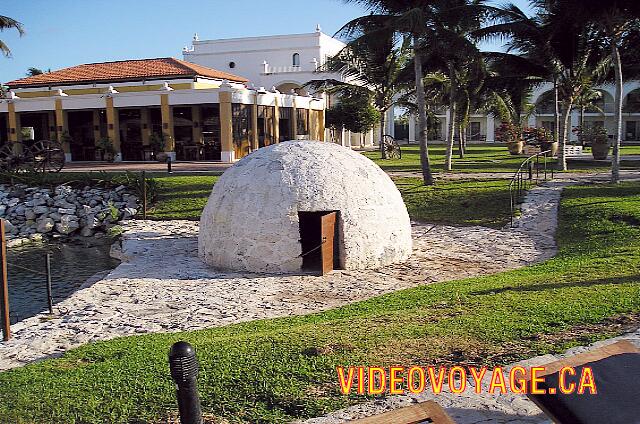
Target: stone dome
{"x":252,"y":221}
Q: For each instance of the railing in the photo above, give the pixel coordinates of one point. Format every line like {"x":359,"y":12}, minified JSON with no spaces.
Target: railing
{"x":524,"y":177}
{"x":282,"y":69}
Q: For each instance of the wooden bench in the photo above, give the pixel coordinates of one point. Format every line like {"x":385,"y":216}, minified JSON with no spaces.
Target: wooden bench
{"x":424,"y":412}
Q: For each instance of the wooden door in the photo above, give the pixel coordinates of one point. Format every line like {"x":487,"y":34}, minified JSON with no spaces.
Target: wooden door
{"x":327,"y":229}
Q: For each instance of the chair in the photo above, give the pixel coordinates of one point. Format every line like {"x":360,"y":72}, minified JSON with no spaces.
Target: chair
{"x":616,"y":372}
{"x":424,"y":412}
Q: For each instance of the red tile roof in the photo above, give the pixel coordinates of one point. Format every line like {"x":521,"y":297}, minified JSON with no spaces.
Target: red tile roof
{"x":126,"y":70}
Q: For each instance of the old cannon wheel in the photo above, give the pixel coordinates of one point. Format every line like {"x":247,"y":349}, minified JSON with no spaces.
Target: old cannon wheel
{"x":47,"y":156}
{"x":391,"y":147}
{"x":15,"y":157}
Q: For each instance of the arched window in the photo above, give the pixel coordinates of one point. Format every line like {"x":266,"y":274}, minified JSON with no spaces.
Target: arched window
{"x":296,"y":59}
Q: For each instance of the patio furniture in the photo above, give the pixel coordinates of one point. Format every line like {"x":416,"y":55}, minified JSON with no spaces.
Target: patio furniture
{"x":424,"y":412}
{"x":616,"y":372}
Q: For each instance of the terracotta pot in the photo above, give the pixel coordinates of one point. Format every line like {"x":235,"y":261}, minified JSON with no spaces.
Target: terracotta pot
{"x":550,"y":145}
{"x":600,"y":151}
{"x":515,"y":147}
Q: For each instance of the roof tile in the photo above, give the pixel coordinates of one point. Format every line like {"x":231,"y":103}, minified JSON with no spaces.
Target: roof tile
{"x":125,"y":70}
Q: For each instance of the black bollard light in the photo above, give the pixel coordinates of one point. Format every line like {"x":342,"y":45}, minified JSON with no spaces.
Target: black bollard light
{"x":184,"y":371}
{"x":169,"y":165}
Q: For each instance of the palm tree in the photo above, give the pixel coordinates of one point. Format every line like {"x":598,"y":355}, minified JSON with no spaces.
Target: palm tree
{"x":373,"y":63}
{"x":430,"y":24}
{"x":32,"y":72}
{"x":553,"y":39}
{"x":587,"y":99}
{"x":616,"y":19}
{"x":9,"y":23}
{"x":413,"y":19}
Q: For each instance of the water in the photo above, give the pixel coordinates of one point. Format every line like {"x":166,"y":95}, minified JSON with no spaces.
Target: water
{"x":71,"y":265}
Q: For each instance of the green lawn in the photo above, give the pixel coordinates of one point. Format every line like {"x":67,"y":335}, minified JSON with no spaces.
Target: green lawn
{"x":458,"y":202}
{"x":479,"y":158}
{"x":277,"y":370}
{"x":181,"y":197}
{"x":470,"y":202}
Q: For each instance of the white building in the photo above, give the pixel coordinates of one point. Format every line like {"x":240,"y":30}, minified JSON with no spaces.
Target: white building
{"x":286,"y":62}
{"x":482,"y":127}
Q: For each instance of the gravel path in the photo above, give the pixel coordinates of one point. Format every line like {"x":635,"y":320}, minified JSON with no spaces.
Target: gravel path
{"x":162,"y":286}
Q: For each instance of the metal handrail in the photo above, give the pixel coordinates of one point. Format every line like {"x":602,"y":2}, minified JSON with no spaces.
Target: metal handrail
{"x":519,"y":184}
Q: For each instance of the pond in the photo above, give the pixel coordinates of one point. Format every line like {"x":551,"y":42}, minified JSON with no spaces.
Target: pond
{"x":71,"y":265}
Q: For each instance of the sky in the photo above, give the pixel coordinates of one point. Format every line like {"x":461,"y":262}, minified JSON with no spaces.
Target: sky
{"x":64,"y":33}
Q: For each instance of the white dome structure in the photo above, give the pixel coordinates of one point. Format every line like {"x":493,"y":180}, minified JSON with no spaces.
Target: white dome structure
{"x":273,"y":211}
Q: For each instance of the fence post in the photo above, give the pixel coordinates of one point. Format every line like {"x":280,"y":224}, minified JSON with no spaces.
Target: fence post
{"x":49,"y":291}
{"x":184,"y":371}
{"x":4,"y":285}
{"x":144,"y":195}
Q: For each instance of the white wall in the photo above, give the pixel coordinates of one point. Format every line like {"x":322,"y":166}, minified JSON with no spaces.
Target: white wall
{"x":250,"y":53}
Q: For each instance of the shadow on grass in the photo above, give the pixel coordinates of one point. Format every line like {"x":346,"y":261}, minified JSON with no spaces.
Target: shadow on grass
{"x":551,"y":286}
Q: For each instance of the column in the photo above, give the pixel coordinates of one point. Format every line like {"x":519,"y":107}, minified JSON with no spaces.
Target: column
{"x":167,"y":126}
{"x":51,"y":115}
{"x":276,"y":119}
{"x":253,"y":137}
{"x":14,"y":125}
{"x":532,"y":120}
{"x":145,"y":121}
{"x":391,"y":128}
{"x":491,"y":128}
{"x":321,"y":125}
{"x":61,"y":128}
{"x":113,"y":128}
{"x":575,"y":122}
{"x":294,"y":120}
{"x":312,"y":124}
{"x":412,"y":128}
{"x":226,"y":127}
{"x":96,"y":125}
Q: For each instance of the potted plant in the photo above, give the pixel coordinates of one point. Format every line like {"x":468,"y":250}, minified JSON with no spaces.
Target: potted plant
{"x":106,"y":149}
{"x":158,"y":144}
{"x":511,"y":134}
{"x":598,"y":138}
{"x":540,"y":137}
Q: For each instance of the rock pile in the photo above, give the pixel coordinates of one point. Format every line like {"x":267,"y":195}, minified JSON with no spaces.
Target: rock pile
{"x":31,"y":212}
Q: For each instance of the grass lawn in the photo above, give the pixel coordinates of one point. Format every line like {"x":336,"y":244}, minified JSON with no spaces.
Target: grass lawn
{"x":277,"y":370}
{"x":480,"y":158}
{"x":470,"y":202}
{"x":181,"y":197}
{"x":458,"y":202}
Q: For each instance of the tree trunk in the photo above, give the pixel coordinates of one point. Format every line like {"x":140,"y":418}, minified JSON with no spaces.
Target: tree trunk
{"x":581,"y":126}
{"x":461,"y":136}
{"x":383,"y":151}
{"x":556,"y":111}
{"x":452,"y":124}
{"x":450,"y":136}
{"x":566,"y":125}
{"x":422,"y":118}
{"x":617,"y":137}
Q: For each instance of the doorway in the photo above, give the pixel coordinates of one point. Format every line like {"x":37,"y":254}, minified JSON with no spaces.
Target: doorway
{"x":319,"y":241}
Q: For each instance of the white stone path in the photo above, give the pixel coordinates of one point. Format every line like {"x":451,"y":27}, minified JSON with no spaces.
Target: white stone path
{"x":163,"y":286}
